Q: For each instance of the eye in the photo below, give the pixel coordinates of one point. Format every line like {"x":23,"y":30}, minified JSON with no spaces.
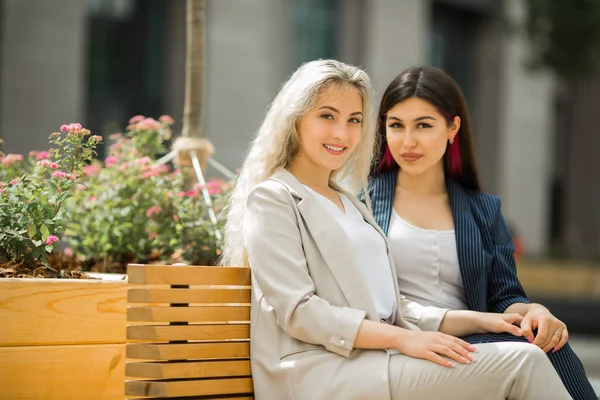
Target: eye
{"x":354,"y":120}
{"x":395,"y":125}
{"x":423,"y":125}
{"x":327,"y":116}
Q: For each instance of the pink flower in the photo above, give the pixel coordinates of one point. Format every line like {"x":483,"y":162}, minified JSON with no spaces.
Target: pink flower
{"x":115,"y":136}
{"x":153,"y":210}
{"x":90,"y":170}
{"x":96,"y":138}
{"x":142,"y":161}
{"x":213,"y":191}
{"x":14,"y":181}
{"x":55,"y":135}
{"x":59,"y":174}
{"x":1,"y":191}
{"x":124,"y":166}
{"x":74,"y":127}
{"x":170,"y":194}
{"x":47,"y":164}
{"x":148,"y":124}
{"x":51,"y":239}
{"x":149,"y":174}
{"x":111,"y":160}
{"x":73,"y":176}
{"x":175,"y":218}
{"x":92,"y":199}
{"x":181,"y":194}
{"x":42,"y":155}
{"x":191,"y":193}
{"x":64,"y":128}
{"x":166,"y":119}
{"x":10,"y":159}
{"x":136,"y":119}
{"x":68,"y":252}
{"x":33,"y":153}
{"x":3,"y":184}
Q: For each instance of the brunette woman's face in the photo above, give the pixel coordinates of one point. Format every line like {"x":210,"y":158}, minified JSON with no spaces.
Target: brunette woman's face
{"x":417,"y":135}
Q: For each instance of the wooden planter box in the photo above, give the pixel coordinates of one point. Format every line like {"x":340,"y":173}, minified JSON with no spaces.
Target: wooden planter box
{"x":62,"y":339}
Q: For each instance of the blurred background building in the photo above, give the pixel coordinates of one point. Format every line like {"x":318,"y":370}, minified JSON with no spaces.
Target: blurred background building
{"x":99,"y":62}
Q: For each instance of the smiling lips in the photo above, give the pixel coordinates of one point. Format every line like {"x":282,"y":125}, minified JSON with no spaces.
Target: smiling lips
{"x":335,"y":150}
{"x":411,"y":157}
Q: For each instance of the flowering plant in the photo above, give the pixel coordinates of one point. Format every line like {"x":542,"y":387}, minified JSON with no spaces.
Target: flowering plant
{"x":33,"y":192}
{"x":134,"y":210}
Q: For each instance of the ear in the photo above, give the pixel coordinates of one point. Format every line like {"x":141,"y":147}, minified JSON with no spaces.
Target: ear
{"x":454,"y":128}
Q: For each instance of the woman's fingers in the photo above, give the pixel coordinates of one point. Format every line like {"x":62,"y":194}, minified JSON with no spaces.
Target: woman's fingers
{"x":466,"y":345}
{"x":444,"y":350}
{"x":562,"y":342}
{"x":436,"y":358}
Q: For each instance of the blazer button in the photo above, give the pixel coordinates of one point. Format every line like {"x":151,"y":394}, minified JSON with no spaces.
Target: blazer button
{"x":342,"y":342}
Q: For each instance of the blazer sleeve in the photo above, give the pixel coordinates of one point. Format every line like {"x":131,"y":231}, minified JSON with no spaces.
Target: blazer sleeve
{"x":426,"y":318}
{"x":504,"y":287}
{"x":274,"y":248}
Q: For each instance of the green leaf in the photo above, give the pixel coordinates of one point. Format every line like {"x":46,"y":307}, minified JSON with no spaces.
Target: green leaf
{"x":37,"y":243}
{"x":31,"y":229}
{"x":49,"y":248}
{"x":45,"y":232}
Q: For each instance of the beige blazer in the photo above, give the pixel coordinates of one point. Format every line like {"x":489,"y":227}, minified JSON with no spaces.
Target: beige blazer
{"x":309,"y":300}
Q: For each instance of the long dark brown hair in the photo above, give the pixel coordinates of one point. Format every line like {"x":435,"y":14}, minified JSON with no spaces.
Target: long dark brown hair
{"x":437,"y":88}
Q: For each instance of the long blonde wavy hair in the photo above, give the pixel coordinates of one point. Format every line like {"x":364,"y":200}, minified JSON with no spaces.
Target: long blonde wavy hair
{"x":277,"y":141}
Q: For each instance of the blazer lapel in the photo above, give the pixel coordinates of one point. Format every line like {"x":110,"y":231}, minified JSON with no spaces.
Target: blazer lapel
{"x":471,"y":257}
{"x":334,"y":245}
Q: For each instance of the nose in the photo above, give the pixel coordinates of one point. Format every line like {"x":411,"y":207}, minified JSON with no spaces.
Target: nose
{"x":409,"y":140}
{"x":340,"y":132}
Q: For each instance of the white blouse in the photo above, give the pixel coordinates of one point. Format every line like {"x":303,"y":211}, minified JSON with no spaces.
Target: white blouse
{"x":427,"y":266}
{"x":371,"y":253}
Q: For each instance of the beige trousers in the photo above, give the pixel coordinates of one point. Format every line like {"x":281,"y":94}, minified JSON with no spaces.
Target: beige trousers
{"x":505,"y":370}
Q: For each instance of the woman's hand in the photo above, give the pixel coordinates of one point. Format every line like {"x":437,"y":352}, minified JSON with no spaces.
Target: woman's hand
{"x":499,"y":323}
{"x":551,"y":332}
{"x":433,"y":345}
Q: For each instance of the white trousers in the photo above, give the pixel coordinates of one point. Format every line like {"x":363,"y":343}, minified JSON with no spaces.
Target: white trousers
{"x":505,"y":370}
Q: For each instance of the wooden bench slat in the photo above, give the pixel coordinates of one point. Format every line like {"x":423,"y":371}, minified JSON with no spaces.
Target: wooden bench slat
{"x":173,"y":351}
{"x":193,"y":295}
{"x":189,"y":314}
{"x":221,"y":397}
{"x":188,"y":369}
{"x":205,"y":387}
{"x":187,"y":275}
{"x":214,"y":397}
{"x":188,"y":332}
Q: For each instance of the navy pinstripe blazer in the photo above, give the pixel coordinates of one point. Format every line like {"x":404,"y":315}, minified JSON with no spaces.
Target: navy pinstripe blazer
{"x":483,"y":242}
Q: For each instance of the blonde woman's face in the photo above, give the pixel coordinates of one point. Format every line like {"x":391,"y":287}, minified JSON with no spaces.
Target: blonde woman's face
{"x":330,"y":132}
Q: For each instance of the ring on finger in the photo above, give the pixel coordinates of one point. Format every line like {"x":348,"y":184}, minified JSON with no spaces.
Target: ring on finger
{"x":558,"y":334}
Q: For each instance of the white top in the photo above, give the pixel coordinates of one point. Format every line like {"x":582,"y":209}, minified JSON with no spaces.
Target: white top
{"x":426,"y":262}
{"x":371,"y":253}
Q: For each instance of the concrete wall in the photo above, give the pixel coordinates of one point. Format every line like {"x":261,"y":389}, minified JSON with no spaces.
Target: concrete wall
{"x":41,"y":82}
{"x":525,"y":133}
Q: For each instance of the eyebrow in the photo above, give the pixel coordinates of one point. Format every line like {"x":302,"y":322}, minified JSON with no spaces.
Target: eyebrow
{"x":416,"y":120}
{"x":335,"y":110}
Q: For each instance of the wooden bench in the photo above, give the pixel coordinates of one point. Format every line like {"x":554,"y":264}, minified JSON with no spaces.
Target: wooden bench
{"x":188,"y":332}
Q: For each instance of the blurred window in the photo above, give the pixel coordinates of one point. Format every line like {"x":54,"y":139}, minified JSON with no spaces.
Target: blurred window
{"x":124,"y":62}
{"x":314,"y":27}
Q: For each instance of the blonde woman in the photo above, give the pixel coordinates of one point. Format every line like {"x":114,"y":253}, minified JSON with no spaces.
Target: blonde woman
{"x":327,"y":320}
